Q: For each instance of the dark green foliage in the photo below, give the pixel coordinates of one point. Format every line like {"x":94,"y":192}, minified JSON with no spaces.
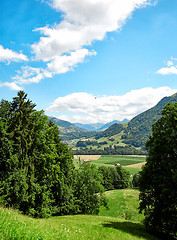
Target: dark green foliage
{"x":136,"y":180}
{"x":110,"y":150}
{"x":158,"y":181}
{"x":114,"y":177}
{"x":89,"y":190}
{"x":37,"y":174}
{"x":107,"y":177}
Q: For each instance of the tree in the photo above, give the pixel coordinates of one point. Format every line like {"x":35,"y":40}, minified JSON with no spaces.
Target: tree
{"x":35,"y":166}
{"x":37,"y":174}
{"x":107,"y":177}
{"x":89,"y":191}
{"x":158,"y":180}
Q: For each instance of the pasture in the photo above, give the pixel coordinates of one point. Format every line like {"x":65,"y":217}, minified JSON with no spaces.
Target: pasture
{"x":121,"y":221}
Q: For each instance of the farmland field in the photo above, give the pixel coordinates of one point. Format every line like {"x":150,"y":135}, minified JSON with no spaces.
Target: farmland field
{"x":115,"y":159}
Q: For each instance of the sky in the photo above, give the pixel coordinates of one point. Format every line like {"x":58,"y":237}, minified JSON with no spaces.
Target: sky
{"x":89,"y":61}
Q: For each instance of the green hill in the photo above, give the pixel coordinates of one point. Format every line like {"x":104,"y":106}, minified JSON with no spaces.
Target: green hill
{"x":69,"y":131}
{"x":139,"y":128}
{"x":121,"y":221}
{"x":126,"y":138}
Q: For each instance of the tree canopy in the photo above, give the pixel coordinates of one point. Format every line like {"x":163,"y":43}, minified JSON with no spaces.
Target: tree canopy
{"x":158,"y":180}
{"x":37,"y":174}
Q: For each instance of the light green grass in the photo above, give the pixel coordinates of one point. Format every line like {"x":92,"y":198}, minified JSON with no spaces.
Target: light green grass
{"x":121,"y":221}
{"x":123,"y":204}
{"x":80,"y":227}
{"x":122,"y":160}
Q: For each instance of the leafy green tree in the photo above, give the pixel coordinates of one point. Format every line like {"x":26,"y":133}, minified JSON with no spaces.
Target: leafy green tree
{"x":107,"y":177}
{"x":158,"y":181}
{"x":35,"y":167}
{"x":89,"y":190}
{"x":124,"y":176}
{"x":37,"y":174}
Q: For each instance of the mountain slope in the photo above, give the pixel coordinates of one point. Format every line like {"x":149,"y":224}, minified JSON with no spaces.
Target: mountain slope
{"x":139,"y":128}
{"x":89,"y":127}
{"x":107,"y":125}
{"x":128,"y":138}
{"x":69,"y":131}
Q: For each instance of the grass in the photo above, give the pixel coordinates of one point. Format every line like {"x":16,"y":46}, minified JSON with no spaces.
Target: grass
{"x":121,"y":221}
{"x":123,"y":204}
{"x":110,"y":161}
{"x":122,"y":160}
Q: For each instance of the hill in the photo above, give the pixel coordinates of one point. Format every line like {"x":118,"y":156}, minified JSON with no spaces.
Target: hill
{"x":120,"y":221}
{"x":139,"y":128}
{"x":126,"y":138}
{"x":69,"y":131}
{"x":107,"y":125}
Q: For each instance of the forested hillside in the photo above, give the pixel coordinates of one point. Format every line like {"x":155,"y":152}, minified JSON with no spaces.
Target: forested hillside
{"x":139,"y":128}
{"x":127,"y":138}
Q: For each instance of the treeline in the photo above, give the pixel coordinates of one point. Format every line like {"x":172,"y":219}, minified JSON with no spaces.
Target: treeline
{"x":110,"y":150}
{"x":114,"y":177}
{"x":37,"y":175}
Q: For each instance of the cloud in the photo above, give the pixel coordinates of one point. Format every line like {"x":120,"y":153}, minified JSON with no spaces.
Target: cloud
{"x":29,"y":74}
{"x":63,"y":64}
{"x":63,"y":46}
{"x":12,"y":86}
{"x":87,"y":108}
{"x":9,"y":55}
{"x":170,"y":69}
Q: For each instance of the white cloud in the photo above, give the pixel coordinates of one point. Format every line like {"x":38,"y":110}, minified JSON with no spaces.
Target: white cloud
{"x":84,"y":21}
{"x":31,"y":75}
{"x":63,"y":64}
{"x":87,"y":108}
{"x":168,"y":70}
{"x":169,"y":63}
{"x":12,"y":86}
{"x":9,"y":55}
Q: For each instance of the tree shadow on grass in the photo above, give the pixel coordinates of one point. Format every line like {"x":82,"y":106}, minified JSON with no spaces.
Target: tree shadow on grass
{"x":135,"y":229}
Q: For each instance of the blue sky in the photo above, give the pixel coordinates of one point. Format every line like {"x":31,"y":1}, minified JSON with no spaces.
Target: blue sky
{"x":89,"y":61}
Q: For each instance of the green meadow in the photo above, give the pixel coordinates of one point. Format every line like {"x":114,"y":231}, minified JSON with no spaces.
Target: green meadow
{"x":120,"y":221}
{"x":122,"y":160}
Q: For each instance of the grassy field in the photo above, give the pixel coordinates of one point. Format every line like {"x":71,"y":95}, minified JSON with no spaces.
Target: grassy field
{"x":122,"y":160}
{"x":111,"y":160}
{"x":121,"y":221}
{"x":123,"y":204}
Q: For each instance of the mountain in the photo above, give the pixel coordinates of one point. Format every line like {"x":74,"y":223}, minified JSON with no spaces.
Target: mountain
{"x":69,"y":131}
{"x":98,"y":126}
{"x":127,"y":138}
{"x":89,"y":127}
{"x":107,"y":125}
{"x":139,"y":128}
